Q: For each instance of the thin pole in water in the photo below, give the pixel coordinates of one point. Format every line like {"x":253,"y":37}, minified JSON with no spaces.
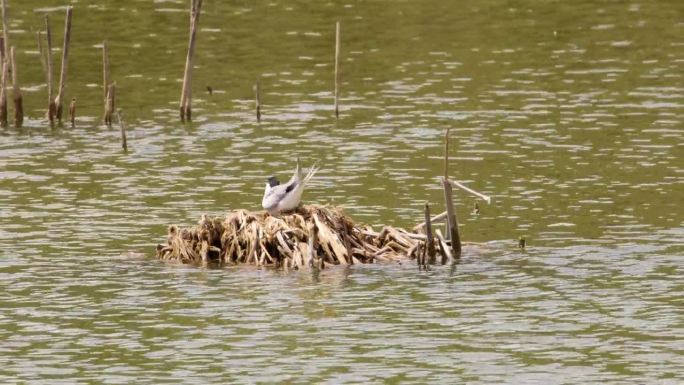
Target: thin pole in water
{"x":111,"y":102}
{"x":337,"y":69}
{"x":446,"y":154}
{"x":108,"y":86}
{"x":5,"y":28}
{"x":5,"y":65}
{"x":124,"y":143}
{"x":105,"y":70}
{"x":452,"y":221}
{"x":65,"y":53}
{"x":52,"y":107}
{"x":72,"y":112}
{"x":257,"y":100}
{"x":186,"y":91}
{"x":4,"y":68}
{"x":16,"y":91}
{"x":428,"y":232}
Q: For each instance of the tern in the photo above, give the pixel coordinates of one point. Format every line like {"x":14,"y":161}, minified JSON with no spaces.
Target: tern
{"x":279,"y":198}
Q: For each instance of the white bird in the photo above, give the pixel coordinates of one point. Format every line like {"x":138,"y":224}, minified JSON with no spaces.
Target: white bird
{"x":285,"y":197}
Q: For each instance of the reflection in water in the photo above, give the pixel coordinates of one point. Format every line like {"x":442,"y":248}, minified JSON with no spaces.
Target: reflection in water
{"x":569,"y":115}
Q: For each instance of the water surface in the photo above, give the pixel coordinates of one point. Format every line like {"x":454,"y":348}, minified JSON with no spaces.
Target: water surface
{"x":570,"y":114}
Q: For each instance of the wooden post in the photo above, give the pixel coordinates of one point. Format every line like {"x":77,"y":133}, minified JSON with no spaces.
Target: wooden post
{"x":52,"y":107}
{"x":420,"y":256}
{"x":65,"y":53}
{"x":428,"y":232}
{"x":72,"y":112}
{"x":446,"y":253}
{"x":452,"y":221}
{"x":124,"y":143}
{"x":186,"y":92}
{"x":446,"y":154}
{"x":311,"y":246}
{"x":108,"y":86}
{"x":16,"y":91}
{"x":43,"y":62}
{"x":5,"y":65}
{"x":446,"y":175}
{"x":5,"y":28}
{"x":111,"y":103}
{"x":4,"y":75}
{"x":105,"y":72}
{"x":337,"y":69}
{"x":257,"y":100}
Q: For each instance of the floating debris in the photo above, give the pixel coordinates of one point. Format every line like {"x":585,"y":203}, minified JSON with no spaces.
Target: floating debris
{"x":312,"y":236}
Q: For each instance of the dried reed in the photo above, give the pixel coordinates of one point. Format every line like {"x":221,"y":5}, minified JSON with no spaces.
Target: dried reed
{"x":311,"y":236}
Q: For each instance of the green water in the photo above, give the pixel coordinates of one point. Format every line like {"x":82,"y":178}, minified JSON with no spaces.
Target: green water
{"x":570,"y":114}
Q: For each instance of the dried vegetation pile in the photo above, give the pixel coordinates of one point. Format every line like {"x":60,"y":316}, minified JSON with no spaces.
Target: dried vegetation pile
{"x":312,"y":236}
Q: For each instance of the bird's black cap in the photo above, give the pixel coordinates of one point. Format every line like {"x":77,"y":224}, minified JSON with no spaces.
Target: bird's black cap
{"x":273,"y":181}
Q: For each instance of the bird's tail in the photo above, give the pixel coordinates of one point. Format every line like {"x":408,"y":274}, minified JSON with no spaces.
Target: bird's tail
{"x":299,"y":173}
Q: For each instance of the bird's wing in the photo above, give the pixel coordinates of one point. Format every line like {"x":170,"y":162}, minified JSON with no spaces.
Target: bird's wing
{"x":291,"y":187}
{"x":277,"y":194}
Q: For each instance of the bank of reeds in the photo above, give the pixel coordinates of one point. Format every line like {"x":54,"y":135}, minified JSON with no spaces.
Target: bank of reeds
{"x":312,"y":236}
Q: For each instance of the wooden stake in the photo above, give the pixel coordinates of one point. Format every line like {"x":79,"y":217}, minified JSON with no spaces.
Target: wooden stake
{"x":428,"y":231}
{"x":311,"y":246}
{"x":16,"y":91}
{"x":186,"y":92}
{"x":4,"y":76}
{"x":446,"y":253}
{"x":5,"y":65}
{"x":105,"y":71}
{"x":5,"y":28}
{"x":111,"y":103}
{"x":446,"y":154}
{"x":52,"y":107}
{"x":337,"y":69}
{"x":257,"y":100}
{"x":124,"y":143}
{"x":65,"y":54}
{"x":452,"y":221}
{"x":72,"y":112}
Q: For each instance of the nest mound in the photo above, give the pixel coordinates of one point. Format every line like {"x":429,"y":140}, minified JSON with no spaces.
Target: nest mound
{"x":311,"y":236}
